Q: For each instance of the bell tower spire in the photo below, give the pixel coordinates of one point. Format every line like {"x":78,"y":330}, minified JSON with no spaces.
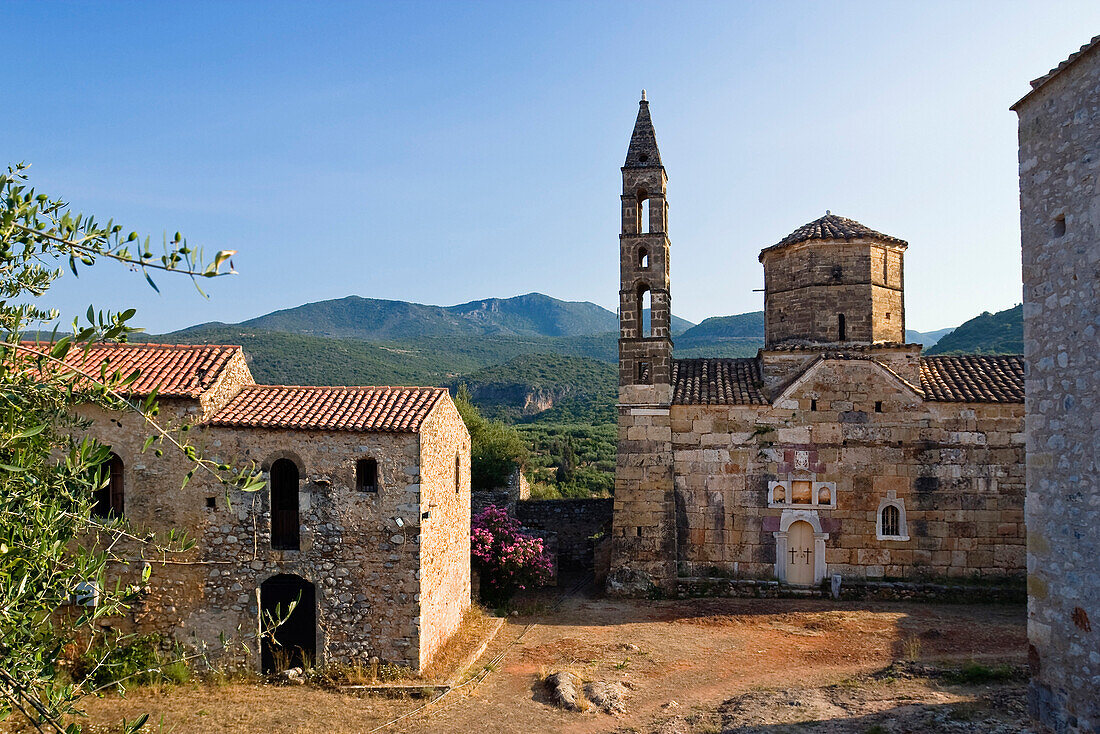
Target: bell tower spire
{"x":644,"y":524}
{"x":645,"y":336}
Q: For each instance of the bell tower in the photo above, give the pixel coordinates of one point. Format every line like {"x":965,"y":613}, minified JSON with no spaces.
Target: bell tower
{"x":644,"y":524}
{"x":645,"y":336}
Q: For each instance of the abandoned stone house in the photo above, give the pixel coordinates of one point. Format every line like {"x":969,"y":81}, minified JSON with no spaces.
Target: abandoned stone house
{"x":1060,"y":230}
{"x":838,"y":449}
{"x":365,"y":517}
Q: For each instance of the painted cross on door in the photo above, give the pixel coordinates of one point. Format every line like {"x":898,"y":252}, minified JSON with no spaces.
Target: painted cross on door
{"x":800,"y":554}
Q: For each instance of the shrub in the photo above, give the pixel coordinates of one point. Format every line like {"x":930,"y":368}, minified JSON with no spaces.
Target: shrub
{"x":507,"y":560}
{"x":139,"y":661}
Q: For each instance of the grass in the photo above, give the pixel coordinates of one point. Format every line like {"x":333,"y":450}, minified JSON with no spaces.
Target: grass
{"x":973,"y":673}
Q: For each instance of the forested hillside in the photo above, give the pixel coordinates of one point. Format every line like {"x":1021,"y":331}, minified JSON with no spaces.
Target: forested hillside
{"x":989,"y":333}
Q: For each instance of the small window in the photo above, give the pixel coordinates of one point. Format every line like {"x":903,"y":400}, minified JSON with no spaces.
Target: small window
{"x":887,"y":315}
{"x":878,"y":406}
{"x":645,"y":374}
{"x":891,"y":521}
{"x":1060,"y":225}
{"x":110,"y":498}
{"x":643,"y":258}
{"x":842,"y":330}
{"x":366,"y":475}
{"x":283,"y":480}
{"x":211,"y":503}
{"x":824,"y":496}
{"x":813,"y":404}
{"x":639,"y":531}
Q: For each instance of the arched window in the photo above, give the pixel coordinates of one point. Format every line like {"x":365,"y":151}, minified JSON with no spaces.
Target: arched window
{"x":645,"y":311}
{"x":891,"y":520}
{"x":643,"y":211}
{"x":110,"y":497}
{"x":366,"y":475}
{"x":284,"y":505}
{"x":643,"y":258}
{"x":841,"y":328}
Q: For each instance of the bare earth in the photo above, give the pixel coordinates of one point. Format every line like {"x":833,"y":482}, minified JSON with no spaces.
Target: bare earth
{"x":717,"y":665}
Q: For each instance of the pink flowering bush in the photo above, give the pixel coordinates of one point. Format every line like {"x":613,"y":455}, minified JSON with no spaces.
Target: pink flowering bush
{"x":507,"y":560}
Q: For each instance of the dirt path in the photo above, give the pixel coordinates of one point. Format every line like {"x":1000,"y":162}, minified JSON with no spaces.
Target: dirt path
{"x":672,"y":657}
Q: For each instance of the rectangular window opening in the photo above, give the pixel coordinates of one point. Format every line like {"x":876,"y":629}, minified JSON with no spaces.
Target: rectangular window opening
{"x":644,"y":373}
{"x":211,"y":503}
{"x":878,"y":406}
{"x":639,"y":531}
{"x":366,"y":475}
{"x":813,"y":404}
{"x":1060,"y":225}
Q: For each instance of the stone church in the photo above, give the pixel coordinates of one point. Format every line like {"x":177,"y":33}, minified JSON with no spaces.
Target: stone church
{"x":837,"y":449}
{"x":364,"y":522}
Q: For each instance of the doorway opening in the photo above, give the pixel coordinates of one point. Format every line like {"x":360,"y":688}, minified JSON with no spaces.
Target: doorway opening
{"x":293,"y":643}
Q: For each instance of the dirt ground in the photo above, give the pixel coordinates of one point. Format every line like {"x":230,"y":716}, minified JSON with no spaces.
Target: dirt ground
{"x":721,"y":665}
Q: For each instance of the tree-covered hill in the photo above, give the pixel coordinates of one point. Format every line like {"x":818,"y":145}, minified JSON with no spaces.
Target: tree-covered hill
{"x":989,"y":333}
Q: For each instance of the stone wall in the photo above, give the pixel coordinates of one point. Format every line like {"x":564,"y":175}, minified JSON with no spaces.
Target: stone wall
{"x":574,"y":522}
{"x":367,"y":571}
{"x":444,"y":592}
{"x":852,"y":428}
{"x":808,"y":285}
{"x":1060,"y":225}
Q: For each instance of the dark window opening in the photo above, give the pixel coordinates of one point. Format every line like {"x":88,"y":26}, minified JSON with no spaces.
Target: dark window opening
{"x":887,"y":315}
{"x":641,"y":212}
{"x":289,"y":636}
{"x":643,"y":257}
{"x":110,"y":495}
{"x":639,"y":531}
{"x":838,"y":272}
{"x":644,"y":157}
{"x":284,"y":505}
{"x":1060,"y":225}
{"x":366,"y":475}
{"x":211,"y":503}
{"x":813,"y":404}
{"x":891,"y":520}
{"x":644,"y":373}
{"x":843,"y":332}
{"x":878,"y":406}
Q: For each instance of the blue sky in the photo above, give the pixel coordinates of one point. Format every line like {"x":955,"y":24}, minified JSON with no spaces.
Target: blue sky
{"x":444,"y":152}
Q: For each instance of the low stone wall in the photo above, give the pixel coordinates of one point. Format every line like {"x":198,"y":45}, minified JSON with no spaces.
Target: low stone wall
{"x":574,"y":522}
{"x":855,"y":590}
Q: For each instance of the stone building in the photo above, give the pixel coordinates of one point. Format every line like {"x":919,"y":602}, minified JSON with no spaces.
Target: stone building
{"x":1060,"y":227}
{"x":838,"y":449}
{"x":365,"y":518}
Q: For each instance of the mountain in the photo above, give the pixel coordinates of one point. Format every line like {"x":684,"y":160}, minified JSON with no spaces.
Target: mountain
{"x":989,"y":333}
{"x":374,"y":319}
{"x":925,"y":338}
{"x":576,"y":389}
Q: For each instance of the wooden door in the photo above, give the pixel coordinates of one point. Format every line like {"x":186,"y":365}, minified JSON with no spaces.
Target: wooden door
{"x":800,"y":554}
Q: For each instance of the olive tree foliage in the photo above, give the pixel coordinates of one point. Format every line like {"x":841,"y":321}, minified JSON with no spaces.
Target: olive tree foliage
{"x":52,"y":550}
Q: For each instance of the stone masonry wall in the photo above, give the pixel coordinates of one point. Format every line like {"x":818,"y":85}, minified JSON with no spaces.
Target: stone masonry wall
{"x":445,"y":535}
{"x":574,"y":522}
{"x":808,"y":285}
{"x":957,"y":468}
{"x":366,"y":570}
{"x":1060,"y":225}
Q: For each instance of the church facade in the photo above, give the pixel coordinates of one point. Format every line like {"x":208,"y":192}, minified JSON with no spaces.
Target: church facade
{"x":838,"y":449}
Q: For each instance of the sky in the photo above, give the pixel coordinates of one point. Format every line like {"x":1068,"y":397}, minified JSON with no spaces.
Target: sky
{"x":447,"y":152}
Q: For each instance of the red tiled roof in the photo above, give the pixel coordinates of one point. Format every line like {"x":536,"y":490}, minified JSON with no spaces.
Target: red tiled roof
{"x":395,"y":409}
{"x":717,"y":382}
{"x":832,"y":227}
{"x":973,"y":378}
{"x":176,"y":370}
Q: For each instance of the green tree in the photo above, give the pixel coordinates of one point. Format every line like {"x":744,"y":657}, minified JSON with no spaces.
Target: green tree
{"x":496,"y":450}
{"x":52,"y":551}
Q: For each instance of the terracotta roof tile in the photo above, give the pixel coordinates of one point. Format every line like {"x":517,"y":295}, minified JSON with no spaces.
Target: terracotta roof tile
{"x":176,"y":370}
{"x":832,"y":227}
{"x":392,"y":409}
{"x":973,"y":378}
{"x":717,"y":382}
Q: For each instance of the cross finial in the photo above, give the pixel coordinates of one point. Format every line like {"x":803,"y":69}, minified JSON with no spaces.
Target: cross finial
{"x":643,"y":95}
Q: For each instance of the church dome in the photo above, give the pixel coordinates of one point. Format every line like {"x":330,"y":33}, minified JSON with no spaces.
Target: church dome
{"x":832,"y":227}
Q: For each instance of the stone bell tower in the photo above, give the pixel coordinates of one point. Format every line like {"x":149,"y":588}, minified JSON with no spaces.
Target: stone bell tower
{"x":644,"y":543}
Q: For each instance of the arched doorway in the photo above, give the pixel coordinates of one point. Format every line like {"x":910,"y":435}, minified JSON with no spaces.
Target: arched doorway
{"x":294,"y":642}
{"x":800,"y":554}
